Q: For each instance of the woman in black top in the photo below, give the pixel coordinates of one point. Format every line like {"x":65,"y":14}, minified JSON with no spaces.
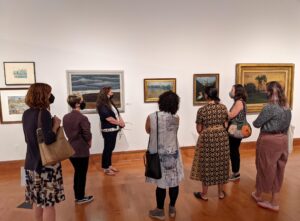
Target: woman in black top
{"x":44,"y":184}
{"x":236,"y":112}
{"x":111,"y":122}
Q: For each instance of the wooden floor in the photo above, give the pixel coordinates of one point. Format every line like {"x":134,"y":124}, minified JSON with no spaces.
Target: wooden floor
{"x":127,"y":197}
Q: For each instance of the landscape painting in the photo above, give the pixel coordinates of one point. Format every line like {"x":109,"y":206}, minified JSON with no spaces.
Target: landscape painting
{"x":200,"y":83}
{"x":254,"y":77}
{"x":12,"y":104}
{"x":16,"y":104}
{"x":88,"y":84}
{"x":154,"y":87}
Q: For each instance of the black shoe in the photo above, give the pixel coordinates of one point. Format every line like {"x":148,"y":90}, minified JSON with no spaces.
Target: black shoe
{"x":234,"y":177}
{"x":85,"y":199}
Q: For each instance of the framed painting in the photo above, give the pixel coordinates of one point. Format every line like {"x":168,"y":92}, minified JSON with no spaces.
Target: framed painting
{"x":200,"y":83}
{"x":19,"y":73}
{"x":12,"y":104}
{"x":88,"y":84}
{"x":153,"y":87}
{"x":254,"y":77}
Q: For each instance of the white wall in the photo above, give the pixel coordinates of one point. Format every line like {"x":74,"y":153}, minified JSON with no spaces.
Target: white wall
{"x":146,"y":39}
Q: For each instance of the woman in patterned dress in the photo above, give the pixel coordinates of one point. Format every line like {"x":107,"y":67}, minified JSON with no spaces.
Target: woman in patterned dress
{"x":211,"y":160}
{"x":166,"y":122}
{"x":44,"y":184}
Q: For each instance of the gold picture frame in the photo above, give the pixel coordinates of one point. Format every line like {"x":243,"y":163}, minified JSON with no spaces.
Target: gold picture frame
{"x":200,"y":82}
{"x":153,"y":87}
{"x":254,"y":78}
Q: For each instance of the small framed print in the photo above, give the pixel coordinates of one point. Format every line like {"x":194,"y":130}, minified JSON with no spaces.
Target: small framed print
{"x":19,"y":73}
{"x":156,"y":86}
{"x":200,"y":83}
{"x":12,"y":104}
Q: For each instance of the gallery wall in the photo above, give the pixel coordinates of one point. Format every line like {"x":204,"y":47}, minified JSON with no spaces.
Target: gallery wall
{"x":145,"y":39}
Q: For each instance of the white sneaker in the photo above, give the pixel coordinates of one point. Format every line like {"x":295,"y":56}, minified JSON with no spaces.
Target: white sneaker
{"x":85,"y":199}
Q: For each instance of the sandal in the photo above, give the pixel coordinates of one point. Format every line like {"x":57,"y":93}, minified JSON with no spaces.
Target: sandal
{"x":257,"y":199}
{"x":222,"y":195}
{"x":114,"y":169}
{"x":200,"y":196}
{"x":268,"y":205}
{"x":109,"y":172}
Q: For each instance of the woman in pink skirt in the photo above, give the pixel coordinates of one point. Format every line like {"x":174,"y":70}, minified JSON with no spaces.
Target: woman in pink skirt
{"x":271,"y":146}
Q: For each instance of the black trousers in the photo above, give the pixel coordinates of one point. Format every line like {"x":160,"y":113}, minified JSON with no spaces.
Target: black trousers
{"x":109,"y":145}
{"x":234,"y":144}
{"x":81,"y":167}
{"x":161,"y":195}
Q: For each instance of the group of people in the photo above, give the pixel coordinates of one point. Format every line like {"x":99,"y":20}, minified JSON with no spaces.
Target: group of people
{"x":44,"y":184}
{"x":214,"y":148}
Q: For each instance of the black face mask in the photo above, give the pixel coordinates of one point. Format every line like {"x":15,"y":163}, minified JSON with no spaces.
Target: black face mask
{"x":51,"y":98}
{"x":82,"y":105}
{"x":111,"y":97}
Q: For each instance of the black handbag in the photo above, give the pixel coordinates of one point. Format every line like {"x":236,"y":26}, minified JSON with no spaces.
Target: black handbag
{"x":152,"y":161}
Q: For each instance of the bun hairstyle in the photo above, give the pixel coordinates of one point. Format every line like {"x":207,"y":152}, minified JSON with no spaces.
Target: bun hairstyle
{"x":212,"y":93}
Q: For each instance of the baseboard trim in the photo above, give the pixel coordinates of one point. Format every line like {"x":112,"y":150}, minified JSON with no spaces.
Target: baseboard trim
{"x":134,"y":155}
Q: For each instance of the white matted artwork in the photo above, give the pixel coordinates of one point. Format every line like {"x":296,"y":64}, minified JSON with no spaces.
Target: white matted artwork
{"x":12,"y":104}
{"x":19,"y":73}
{"x":88,"y":84}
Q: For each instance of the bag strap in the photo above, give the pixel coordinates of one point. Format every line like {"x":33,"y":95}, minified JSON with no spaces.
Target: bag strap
{"x":157,"y":132}
{"x":40,"y":119}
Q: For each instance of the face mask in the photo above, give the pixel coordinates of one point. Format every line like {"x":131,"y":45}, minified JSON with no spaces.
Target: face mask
{"x":51,"y":98}
{"x":231,"y":95}
{"x":110,"y":97}
{"x":82,"y":105}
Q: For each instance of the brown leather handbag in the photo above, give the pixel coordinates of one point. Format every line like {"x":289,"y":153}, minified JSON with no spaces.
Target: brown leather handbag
{"x":55,"y":152}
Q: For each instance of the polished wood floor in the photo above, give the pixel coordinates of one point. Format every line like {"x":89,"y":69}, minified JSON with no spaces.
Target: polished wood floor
{"x":127,"y":197}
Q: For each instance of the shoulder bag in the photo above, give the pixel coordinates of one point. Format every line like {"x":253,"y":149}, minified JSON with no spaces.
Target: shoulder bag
{"x":152,"y":161}
{"x":240,"y":128}
{"x":55,"y":152}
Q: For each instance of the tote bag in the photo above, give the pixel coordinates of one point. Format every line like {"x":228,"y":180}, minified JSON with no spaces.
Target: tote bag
{"x":55,"y":152}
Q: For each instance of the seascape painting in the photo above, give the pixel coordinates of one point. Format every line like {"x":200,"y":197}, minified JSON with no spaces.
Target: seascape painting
{"x":88,"y":84}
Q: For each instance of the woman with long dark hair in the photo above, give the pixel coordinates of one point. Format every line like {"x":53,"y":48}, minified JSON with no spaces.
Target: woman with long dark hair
{"x":211,"y":160}
{"x":236,"y":113}
{"x":111,"y":123}
{"x":272,"y":146}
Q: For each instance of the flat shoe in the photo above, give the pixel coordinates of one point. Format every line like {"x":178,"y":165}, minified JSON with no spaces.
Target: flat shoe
{"x":199,"y":195}
{"x":268,"y":205}
{"x":222,"y":195}
{"x":257,"y":199}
